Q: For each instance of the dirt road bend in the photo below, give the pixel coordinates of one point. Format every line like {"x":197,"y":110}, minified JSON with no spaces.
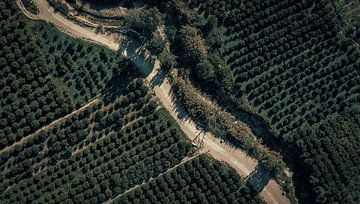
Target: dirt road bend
{"x":47,"y":13}
{"x":23,"y":140}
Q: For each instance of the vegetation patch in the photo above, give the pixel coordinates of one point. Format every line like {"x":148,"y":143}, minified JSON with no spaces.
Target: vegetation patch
{"x":78,"y":125}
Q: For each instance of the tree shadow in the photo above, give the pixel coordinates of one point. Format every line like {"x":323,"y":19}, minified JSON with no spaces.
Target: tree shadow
{"x":119,"y":81}
{"x":259,"y":178}
{"x":144,"y":64}
{"x":132,"y":49}
{"x":178,"y":107}
{"x":158,"y":79}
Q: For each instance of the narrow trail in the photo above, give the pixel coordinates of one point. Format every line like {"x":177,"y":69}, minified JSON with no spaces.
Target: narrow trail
{"x":186,"y":159}
{"x":23,"y":140}
{"x":235,"y":157}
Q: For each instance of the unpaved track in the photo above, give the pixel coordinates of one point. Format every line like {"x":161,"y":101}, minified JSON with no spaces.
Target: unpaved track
{"x":46,"y":13}
{"x":236,"y":158}
{"x":23,"y":140}
{"x":272,"y":193}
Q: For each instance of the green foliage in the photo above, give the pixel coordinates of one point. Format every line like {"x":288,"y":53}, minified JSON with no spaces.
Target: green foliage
{"x":205,"y":70}
{"x":192,"y":44}
{"x":226,"y":126}
{"x":224,"y":78}
{"x":167,"y":60}
{"x":119,"y":141}
{"x":145,"y":22}
{"x":156,"y":45}
{"x":352,"y":29}
{"x":338,"y":140}
{"x":30,"y":6}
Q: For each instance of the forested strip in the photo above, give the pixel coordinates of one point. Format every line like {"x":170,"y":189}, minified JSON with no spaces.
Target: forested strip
{"x":332,"y":150}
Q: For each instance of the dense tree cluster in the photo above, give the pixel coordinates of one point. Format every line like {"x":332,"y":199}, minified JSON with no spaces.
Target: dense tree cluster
{"x":338,"y":140}
{"x":145,"y":22}
{"x":294,"y":63}
{"x":197,"y":47}
{"x":350,"y":21}
{"x":226,"y":127}
{"x":44,"y":75}
{"x":29,"y":98}
{"x":194,"y":48}
{"x":156,"y":45}
{"x":353,"y":30}
{"x":201,"y":180}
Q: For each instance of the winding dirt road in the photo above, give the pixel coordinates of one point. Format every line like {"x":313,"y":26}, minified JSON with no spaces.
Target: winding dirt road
{"x":236,"y":158}
{"x":213,"y":146}
{"x":46,"y":13}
